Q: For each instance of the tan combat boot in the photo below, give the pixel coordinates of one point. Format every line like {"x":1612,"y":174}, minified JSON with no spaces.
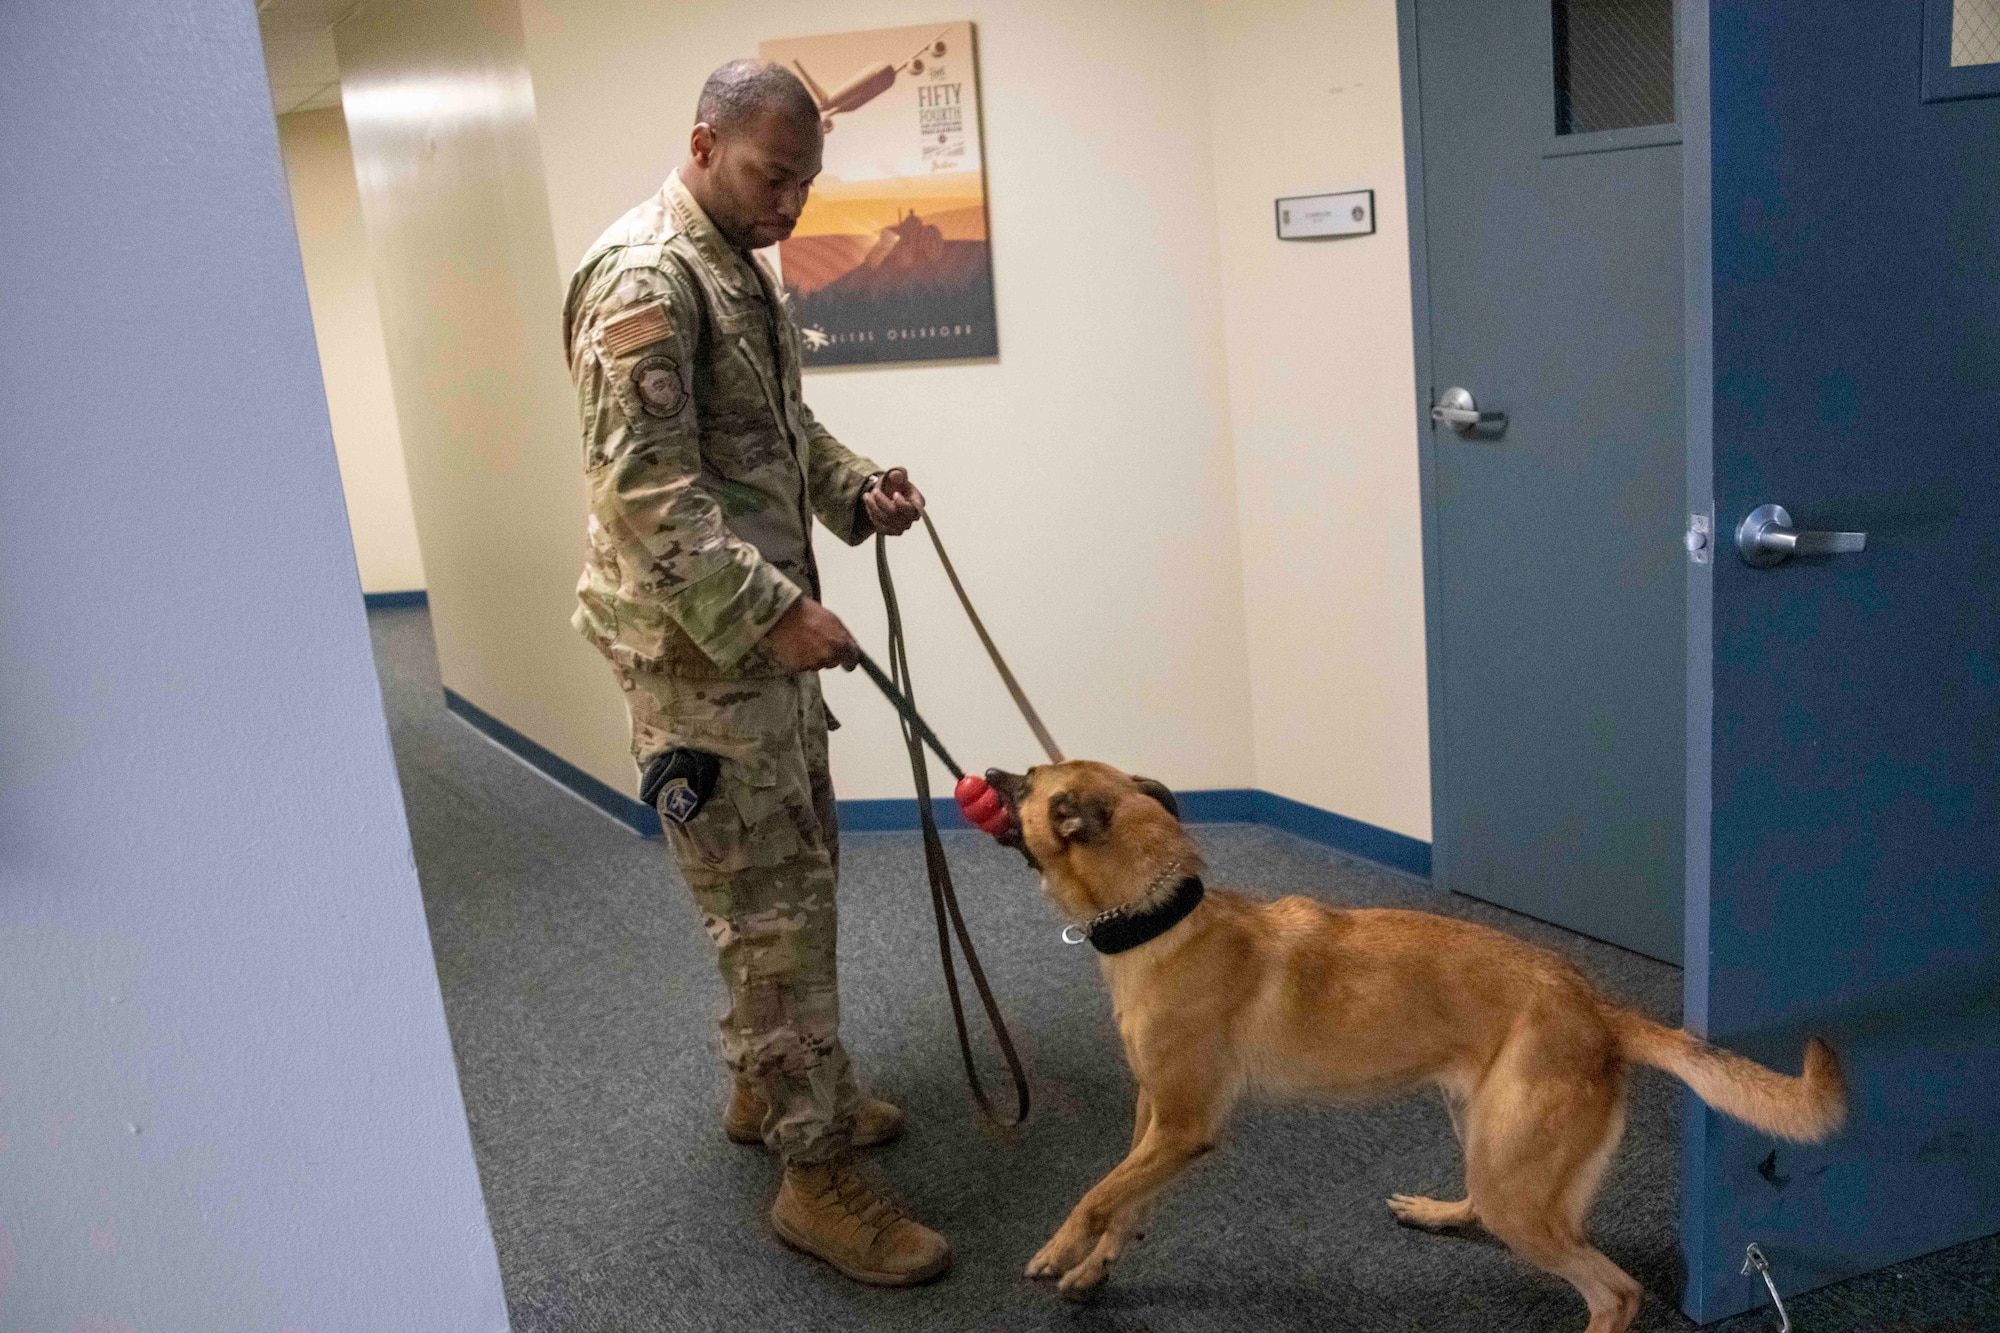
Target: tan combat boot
{"x":831,"y":1213}
{"x":875,"y":1121}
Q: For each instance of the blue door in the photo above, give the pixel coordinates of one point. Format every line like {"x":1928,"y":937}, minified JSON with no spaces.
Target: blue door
{"x":1550,"y":302}
{"x":1843,"y":169}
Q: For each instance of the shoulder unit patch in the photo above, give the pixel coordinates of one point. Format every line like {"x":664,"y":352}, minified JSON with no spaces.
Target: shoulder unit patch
{"x":658,"y":382}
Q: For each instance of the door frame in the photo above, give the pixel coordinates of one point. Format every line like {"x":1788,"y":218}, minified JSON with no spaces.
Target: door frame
{"x":1698,"y":360}
{"x":1691,"y":53}
{"x":1424,"y":391}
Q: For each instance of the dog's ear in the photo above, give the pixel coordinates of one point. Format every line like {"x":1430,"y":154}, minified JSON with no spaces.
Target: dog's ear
{"x":1156,"y":789}
{"x":1084,"y":819}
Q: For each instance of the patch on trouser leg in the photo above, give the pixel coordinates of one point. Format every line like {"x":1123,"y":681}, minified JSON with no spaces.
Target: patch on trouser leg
{"x":679,"y":782}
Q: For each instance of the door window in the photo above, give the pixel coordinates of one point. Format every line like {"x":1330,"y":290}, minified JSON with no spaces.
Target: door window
{"x":1614,"y":63}
{"x":1961,"y":49}
{"x":1975,"y":32}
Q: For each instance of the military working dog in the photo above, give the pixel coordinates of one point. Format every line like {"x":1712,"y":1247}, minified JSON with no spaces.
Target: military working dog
{"x":1216,"y":993}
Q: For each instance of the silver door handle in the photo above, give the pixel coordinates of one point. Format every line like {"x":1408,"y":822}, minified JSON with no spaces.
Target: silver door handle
{"x":1456,"y":409}
{"x":1766,"y":537}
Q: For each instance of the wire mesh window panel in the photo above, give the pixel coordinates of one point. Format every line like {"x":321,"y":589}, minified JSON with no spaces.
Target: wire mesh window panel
{"x":1975,"y":32}
{"x":1614,"y":64}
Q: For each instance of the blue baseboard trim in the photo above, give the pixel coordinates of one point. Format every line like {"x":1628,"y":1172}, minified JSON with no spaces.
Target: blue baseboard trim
{"x":1370,"y":842}
{"x":1219,"y":805}
{"x":378,"y":601}
{"x":896,"y":814}
{"x":635,"y":815}
{"x":899,"y":814}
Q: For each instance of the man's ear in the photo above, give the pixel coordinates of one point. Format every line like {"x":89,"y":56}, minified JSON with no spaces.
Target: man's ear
{"x":1158,"y":791}
{"x":1082,"y":819}
{"x":701,"y":144}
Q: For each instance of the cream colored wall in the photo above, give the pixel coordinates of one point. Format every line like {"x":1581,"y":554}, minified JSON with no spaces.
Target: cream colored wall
{"x":1083,"y":480}
{"x":347,"y":326}
{"x":1305,"y":98}
{"x":1170,"y":376}
{"x":441,"y":113}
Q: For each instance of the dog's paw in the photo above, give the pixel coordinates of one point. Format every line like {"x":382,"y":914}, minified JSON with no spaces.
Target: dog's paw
{"x":1059,"y":1255}
{"x":1430,"y":1214}
{"x":1086,"y":1277}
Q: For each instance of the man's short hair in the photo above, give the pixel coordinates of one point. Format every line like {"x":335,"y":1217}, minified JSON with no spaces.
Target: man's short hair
{"x":743,"y":90}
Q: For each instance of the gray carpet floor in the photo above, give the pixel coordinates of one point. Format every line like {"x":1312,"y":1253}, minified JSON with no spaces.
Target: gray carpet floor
{"x":581,"y":999}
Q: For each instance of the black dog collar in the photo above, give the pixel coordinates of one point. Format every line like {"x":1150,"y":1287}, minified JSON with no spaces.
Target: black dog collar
{"x":1124,"y":928}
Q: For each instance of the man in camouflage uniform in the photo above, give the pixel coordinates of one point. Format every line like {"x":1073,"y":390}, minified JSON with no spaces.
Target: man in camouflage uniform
{"x":705,"y":471}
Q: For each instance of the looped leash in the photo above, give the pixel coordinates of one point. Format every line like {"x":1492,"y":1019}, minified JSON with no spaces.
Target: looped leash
{"x":944,"y":897}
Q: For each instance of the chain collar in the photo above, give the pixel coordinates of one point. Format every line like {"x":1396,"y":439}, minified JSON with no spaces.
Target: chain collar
{"x":1131,"y":925}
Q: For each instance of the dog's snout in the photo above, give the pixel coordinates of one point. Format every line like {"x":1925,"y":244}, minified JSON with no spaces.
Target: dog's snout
{"x":1007,"y":784}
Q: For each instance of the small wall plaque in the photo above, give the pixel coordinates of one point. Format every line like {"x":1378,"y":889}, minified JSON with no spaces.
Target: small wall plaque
{"x":1308,"y":216}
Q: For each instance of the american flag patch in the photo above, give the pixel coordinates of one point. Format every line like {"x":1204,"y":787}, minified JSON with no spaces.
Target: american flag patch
{"x":640,"y":328}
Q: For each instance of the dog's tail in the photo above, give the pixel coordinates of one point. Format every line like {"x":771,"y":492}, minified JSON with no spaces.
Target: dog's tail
{"x":1807,"y":1109}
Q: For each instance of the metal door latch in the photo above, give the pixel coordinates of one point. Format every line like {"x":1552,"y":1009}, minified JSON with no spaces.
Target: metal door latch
{"x":1755,"y":1262}
{"x":1766,"y":537}
{"x":1697,"y":539}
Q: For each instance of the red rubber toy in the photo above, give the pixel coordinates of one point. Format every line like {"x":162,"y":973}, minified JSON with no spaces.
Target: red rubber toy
{"x":982,"y":806}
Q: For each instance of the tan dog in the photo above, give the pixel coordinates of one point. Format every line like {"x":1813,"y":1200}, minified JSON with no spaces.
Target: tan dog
{"x":1297,"y":997}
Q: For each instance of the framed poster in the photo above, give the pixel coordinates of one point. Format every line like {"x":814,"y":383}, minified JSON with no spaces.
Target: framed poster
{"x":889,"y":261}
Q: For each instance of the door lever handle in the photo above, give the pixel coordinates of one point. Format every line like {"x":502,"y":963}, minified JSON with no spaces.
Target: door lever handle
{"x":1456,"y":409}
{"x":1766,"y":537}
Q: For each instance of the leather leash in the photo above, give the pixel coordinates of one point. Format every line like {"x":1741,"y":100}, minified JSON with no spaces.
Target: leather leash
{"x":944,"y":897}
{"x":908,"y":711}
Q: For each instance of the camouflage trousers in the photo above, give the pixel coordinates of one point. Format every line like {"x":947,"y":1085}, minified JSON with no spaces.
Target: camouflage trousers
{"x":761,"y":858}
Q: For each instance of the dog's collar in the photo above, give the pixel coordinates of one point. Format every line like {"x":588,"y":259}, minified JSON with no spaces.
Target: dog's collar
{"x":1129,"y":926}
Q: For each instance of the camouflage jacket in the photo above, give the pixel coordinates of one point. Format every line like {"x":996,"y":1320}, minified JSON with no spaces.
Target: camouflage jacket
{"x":704,"y":465}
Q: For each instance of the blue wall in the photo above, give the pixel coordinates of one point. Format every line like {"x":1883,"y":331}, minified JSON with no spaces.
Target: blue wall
{"x":227,"y":1099}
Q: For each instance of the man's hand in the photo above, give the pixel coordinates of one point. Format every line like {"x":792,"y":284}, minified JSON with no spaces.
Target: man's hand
{"x":893,"y":504}
{"x":808,"y":637}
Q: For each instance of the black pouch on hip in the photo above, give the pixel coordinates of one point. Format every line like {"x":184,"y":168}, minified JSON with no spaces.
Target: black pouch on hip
{"x":679,"y":782}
